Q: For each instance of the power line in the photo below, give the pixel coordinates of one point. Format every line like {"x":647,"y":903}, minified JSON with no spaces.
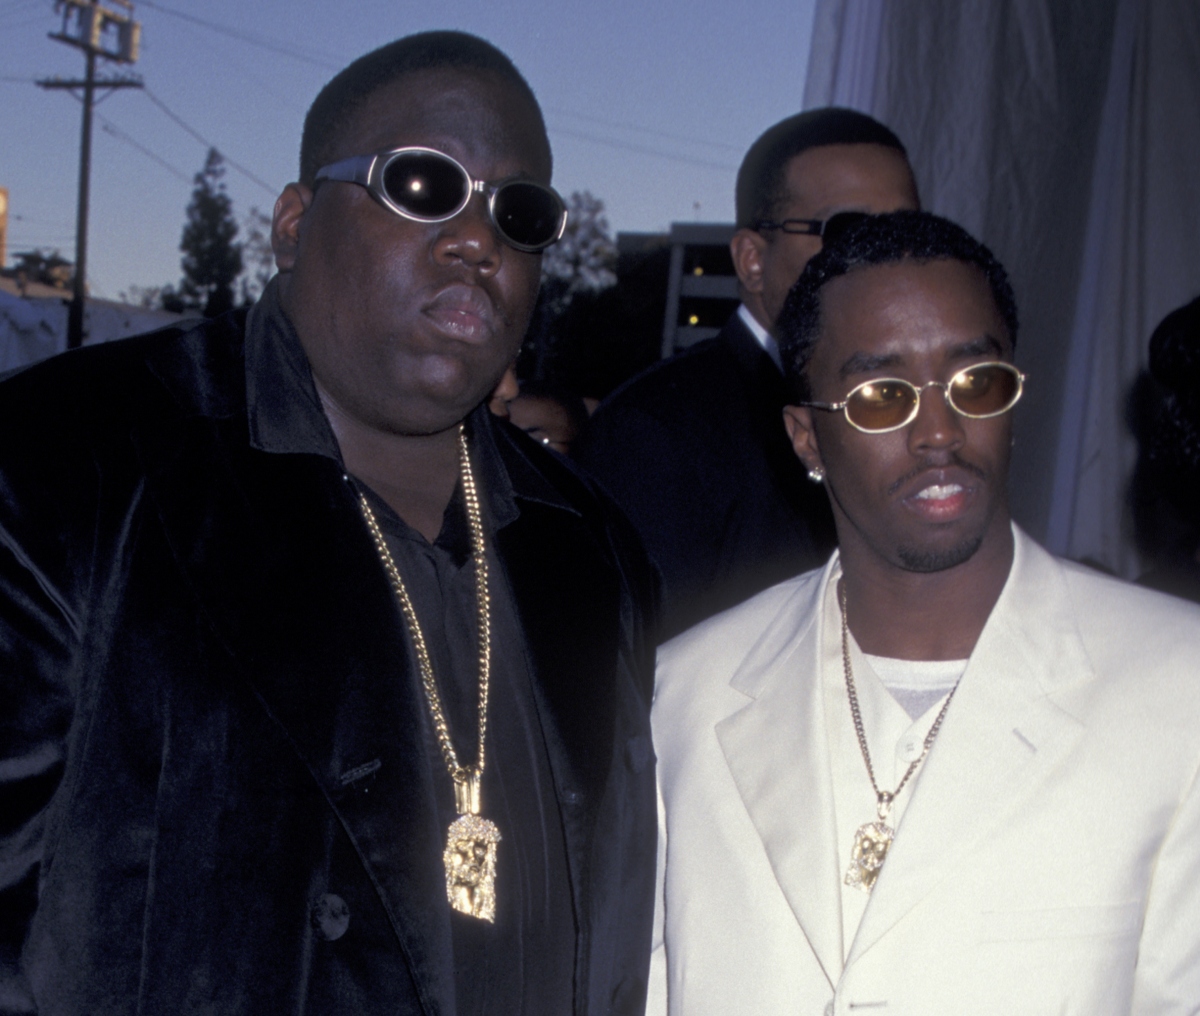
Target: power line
{"x":208,"y":144}
{"x":38,"y":19}
{"x":653,"y":131}
{"x":247,"y":37}
{"x":724,"y":167}
{"x":39,"y":222}
{"x":112,"y":129}
{"x":331,"y":63}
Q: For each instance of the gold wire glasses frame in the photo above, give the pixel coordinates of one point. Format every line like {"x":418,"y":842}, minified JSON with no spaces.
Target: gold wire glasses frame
{"x":885,"y":404}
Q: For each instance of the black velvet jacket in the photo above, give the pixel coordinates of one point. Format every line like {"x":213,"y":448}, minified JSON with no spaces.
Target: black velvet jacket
{"x":197,"y":749}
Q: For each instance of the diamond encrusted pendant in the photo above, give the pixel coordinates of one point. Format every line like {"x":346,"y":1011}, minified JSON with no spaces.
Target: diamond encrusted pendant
{"x":470,"y":859}
{"x":871,"y":843}
{"x":470,"y":854}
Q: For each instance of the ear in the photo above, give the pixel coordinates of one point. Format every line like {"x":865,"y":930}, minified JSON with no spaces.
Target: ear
{"x":747,"y":248}
{"x":290,"y":207}
{"x":798,"y":422}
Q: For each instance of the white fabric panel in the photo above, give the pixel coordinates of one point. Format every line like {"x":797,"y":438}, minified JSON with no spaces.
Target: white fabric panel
{"x":845,"y":54}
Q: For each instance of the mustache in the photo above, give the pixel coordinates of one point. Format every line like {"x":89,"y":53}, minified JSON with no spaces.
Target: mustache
{"x":955,"y":461}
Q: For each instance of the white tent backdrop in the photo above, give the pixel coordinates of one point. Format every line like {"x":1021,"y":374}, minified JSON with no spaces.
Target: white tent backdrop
{"x":1065,"y":134}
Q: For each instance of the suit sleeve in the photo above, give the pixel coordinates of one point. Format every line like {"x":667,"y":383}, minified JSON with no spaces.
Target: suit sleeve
{"x":1167,"y":979}
{"x":36,"y":644}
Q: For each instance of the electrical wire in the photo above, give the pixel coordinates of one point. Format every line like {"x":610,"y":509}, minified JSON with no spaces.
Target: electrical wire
{"x":331,"y":63}
{"x":653,"y":131}
{"x":237,"y":166}
{"x":112,"y":129}
{"x":724,"y":167}
{"x":325,"y":61}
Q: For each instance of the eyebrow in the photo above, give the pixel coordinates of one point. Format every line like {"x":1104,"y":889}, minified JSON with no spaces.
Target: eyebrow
{"x":864,"y":363}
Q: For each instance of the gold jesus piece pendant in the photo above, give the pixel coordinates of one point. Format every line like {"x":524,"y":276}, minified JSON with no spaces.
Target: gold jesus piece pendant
{"x":871,"y":844}
{"x":470,"y":859}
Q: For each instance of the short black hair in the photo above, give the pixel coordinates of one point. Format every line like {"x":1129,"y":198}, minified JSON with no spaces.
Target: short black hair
{"x":879,"y":240}
{"x":572,"y":404}
{"x":337,"y":102}
{"x":762,"y":178}
{"x":1174,"y":447}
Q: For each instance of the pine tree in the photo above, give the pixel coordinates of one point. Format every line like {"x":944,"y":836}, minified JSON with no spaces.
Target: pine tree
{"x":212,"y":259}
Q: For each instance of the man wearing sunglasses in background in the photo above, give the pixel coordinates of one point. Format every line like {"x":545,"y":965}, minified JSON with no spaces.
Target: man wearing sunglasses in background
{"x":946,"y":773}
{"x":693,"y":449}
{"x":323,"y":692}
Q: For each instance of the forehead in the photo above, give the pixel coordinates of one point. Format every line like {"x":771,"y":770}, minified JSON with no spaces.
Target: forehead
{"x":861,"y":177}
{"x":901,"y":313}
{"x":470,"y":114}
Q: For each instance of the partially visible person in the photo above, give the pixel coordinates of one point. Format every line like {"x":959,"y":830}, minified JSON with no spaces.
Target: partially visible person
{"x":548,"y":413}
{"x":1166,"y":485}
{"x":947,"y":773}
{"x":693,"y":449}
{"x":504,"y":393}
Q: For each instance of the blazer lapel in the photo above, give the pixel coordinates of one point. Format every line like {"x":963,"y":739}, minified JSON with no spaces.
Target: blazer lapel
{"x":777,"y":750}
{"x":1004,"y":734}
{"x":284,"y":571}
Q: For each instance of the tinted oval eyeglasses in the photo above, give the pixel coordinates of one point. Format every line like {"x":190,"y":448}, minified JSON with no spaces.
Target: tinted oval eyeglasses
{"x":425,"y":185}
{"x":885,"y":404}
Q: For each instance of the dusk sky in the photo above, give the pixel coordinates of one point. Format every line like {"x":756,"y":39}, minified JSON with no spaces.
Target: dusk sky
{"x":649,"y":105}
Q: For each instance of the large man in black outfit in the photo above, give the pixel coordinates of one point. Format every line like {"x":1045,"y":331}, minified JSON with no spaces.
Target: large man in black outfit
{"x":235,"y":775}
{"x":694,"y":449}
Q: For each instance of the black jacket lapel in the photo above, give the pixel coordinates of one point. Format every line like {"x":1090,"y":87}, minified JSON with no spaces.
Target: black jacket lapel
{"x":284,"y":571}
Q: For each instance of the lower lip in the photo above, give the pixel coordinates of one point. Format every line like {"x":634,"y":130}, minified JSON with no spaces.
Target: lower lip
{"x":940,"y":509}
{"x":460,"y":324}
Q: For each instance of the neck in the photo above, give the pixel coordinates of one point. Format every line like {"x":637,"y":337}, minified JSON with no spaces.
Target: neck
{"x":755,"y":306}
{"x":415,"y":474}
{"x":925,"y":615}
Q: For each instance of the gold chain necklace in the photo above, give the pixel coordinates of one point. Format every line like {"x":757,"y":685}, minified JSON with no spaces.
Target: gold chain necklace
{"x":872,"y":840}
{"x":470,"y":854}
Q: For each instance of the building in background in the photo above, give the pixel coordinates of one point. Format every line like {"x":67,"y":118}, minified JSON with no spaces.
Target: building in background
{"x":702,"y":286}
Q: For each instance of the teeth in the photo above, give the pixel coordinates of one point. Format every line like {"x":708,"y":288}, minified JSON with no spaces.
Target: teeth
{"x":939,"y":493}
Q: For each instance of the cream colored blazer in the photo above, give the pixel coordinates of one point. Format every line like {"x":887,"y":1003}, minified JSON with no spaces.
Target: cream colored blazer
{"x":1048,"y":860}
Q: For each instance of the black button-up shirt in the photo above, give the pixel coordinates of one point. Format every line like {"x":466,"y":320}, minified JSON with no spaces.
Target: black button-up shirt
{"x":524,"y":962}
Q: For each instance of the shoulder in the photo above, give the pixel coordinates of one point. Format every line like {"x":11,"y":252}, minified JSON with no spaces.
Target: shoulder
{"x":1137,"y":642}
{"x":83,"y":389}
{"x":540,"y":476}
{"x":697,"y":373}
{"x":1121,"y":618}
{"x":740,"y":640}
{"x":1108,"y":611}
{"x":74,"y":420}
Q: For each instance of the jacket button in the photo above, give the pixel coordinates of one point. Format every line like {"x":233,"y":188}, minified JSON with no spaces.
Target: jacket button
{"x":330,"y":917}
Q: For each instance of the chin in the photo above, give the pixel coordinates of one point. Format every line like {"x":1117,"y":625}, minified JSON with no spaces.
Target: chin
{"x":930,"y":559}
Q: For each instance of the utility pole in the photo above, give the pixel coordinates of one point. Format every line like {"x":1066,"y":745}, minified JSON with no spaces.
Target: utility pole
{"x":109,"y":33}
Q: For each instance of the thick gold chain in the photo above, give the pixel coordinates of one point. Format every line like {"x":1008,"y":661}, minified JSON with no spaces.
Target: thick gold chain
{"x":462,"y":776}
{"x":883,"y":797}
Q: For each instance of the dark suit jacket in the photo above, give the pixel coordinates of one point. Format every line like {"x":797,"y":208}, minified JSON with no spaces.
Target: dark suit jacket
{"x":695,"y":452}
{"x":202,"y":737}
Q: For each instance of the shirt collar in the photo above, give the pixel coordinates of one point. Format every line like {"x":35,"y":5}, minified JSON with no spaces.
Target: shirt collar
{"x":761,"y":335}
{"x":282,"y":405}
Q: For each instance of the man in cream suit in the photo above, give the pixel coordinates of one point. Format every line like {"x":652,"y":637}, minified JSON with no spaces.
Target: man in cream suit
{"x":947,"y":773}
